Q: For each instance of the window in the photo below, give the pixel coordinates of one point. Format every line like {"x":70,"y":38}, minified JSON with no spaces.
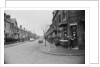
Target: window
{"x":5,"y":24}
{"x":64,"y":14}
{"x":60,"y":18}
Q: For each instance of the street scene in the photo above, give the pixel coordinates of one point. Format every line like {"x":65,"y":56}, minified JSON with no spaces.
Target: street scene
{"x":44,"y":37}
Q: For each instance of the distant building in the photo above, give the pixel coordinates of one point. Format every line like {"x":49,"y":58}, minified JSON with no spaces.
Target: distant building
{"x":68,"y":25}
{"x":14,"y":33}
{"x":15,"y":28}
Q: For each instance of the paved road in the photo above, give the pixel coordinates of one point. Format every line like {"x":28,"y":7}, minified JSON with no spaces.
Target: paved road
{"x":30,"y":53}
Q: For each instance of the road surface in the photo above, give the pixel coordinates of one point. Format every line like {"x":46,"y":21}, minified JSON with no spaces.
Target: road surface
{"x":30,"y":53}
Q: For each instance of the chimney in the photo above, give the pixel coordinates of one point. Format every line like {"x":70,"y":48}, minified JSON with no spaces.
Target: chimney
{"x":20,"y":26}
{"x":8,"y":16}
{"x":24,"y":29}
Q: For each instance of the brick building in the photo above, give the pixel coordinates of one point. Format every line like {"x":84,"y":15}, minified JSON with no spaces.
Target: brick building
{"x":69,"y":26}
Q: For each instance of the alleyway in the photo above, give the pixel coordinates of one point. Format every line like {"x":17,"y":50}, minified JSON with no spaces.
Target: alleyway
{"x":31,"y":53}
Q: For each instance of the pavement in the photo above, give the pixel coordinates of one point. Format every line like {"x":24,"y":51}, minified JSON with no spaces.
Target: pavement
{"x":14,"y":44}
{"x":50,"y":48}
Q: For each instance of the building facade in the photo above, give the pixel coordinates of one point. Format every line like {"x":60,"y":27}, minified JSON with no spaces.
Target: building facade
{"x":14,"y":33}
{"x":8,"y":27}
{"x":68,"y":25}
{"x":15,"y":28}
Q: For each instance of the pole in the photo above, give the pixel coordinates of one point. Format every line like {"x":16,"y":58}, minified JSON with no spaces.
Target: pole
{"x":45,"y":42}
{"x":44,"y":38}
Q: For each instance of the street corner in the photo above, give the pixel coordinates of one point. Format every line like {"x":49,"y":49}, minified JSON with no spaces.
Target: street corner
{"x":62,"y":51}
{"x":48,"y":49}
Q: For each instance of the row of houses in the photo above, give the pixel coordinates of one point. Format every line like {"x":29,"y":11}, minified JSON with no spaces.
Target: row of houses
{"x":69,"y":27}
{"x":12,"y":32}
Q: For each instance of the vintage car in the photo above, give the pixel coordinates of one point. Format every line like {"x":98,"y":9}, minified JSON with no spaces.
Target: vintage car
{"x":40,"y":41}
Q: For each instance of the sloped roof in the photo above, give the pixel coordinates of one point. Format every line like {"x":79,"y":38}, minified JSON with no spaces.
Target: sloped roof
{"x":13,"y":20}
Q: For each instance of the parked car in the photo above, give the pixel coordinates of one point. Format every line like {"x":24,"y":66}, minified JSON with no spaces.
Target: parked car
{"x":31,"y":39}
{"x":40,"y":41}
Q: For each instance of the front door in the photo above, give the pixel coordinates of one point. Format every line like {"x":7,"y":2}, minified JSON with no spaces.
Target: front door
{"x":74,"y":36}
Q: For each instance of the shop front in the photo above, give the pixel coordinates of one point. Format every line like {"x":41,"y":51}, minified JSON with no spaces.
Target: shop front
{"x":64,"y":41}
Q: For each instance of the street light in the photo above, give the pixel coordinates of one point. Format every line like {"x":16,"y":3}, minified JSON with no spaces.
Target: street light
{"x":44,"y":37}
{"x":44,"y":31}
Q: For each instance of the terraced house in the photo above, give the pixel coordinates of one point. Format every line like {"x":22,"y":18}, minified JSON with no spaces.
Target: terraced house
{"x":12,"y":32}
{"x":8,"y":27}
{"x":69,"y":27}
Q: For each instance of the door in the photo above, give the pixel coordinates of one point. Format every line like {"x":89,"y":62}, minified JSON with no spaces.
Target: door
{"x":74,"y":36}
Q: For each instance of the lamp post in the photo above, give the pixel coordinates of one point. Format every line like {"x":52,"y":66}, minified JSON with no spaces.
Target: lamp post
{"x":44,"y":37}
{"x":45,"y":28}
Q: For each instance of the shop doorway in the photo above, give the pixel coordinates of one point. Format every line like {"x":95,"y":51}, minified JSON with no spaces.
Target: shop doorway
{"x":73,"y":36}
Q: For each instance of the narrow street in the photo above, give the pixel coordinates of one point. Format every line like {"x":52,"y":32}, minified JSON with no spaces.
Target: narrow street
{"x":31,"y":53}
